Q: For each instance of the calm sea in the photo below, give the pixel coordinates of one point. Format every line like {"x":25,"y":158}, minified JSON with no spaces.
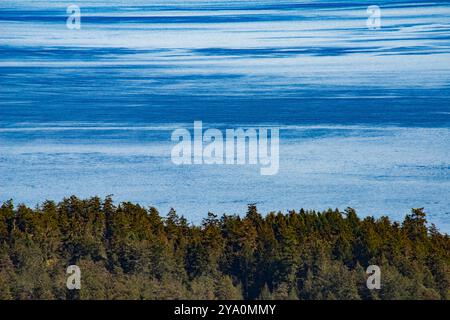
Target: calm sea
{"x":364,"y":114}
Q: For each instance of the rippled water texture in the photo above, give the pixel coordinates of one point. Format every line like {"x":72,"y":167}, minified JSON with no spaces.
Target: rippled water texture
{"x":364,"y":114}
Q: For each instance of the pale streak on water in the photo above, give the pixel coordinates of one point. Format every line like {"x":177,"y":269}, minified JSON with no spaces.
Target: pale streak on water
{"x":364,"y":114}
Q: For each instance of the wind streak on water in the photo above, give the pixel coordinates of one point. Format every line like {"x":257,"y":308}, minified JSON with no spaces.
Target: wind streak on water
{"x":364,"y":113}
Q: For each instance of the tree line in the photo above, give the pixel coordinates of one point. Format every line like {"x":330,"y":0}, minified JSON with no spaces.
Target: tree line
{"x":127,"y":251}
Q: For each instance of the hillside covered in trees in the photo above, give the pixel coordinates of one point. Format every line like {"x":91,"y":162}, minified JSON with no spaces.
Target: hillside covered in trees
{"x":126,"y":251}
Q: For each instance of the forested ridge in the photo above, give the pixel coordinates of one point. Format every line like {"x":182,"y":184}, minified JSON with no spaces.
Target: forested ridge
{"x":126,"y":251}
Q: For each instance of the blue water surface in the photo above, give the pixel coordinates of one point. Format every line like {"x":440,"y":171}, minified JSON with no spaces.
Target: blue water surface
{"x":364,"y":114}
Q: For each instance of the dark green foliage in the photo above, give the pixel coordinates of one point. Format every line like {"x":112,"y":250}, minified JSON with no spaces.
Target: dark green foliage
{"x":130,"y":252}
